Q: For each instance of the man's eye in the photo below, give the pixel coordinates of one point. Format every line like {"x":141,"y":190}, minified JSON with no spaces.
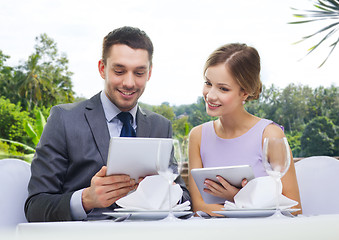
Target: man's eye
{"x":118,"y":72}
{"x":139,"y":74}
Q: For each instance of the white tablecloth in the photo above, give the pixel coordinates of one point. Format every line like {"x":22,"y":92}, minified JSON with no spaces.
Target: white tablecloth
{"x":315,"y":227}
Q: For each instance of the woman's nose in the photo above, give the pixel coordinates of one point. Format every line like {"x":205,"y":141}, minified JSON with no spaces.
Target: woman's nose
{"x":211,"y":95}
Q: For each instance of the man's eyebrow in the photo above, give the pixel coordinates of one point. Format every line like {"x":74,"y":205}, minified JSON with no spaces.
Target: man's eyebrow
{"x":118,"y":65}
{"x":141,"y":67}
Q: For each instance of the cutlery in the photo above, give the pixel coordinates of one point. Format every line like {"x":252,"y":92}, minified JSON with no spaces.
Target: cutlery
{"x":203,"y":214}
{"x":122,"y":218}
{"x":188,"y":216}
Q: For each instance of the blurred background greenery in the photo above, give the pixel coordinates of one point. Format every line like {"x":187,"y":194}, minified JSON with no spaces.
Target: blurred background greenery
{"x":30,"y":89}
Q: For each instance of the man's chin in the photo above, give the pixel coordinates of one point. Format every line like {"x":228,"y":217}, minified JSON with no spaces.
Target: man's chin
{"x":126,"y":106}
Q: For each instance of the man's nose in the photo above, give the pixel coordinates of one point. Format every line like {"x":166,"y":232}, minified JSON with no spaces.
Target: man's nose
{"x":129,"y":81}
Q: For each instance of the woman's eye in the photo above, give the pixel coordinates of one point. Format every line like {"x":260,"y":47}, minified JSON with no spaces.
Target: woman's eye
{"x":224,"y":89}
{"x":208,"y":83}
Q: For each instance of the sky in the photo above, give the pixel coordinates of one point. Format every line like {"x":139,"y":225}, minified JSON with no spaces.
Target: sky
{"x":183,"y":32}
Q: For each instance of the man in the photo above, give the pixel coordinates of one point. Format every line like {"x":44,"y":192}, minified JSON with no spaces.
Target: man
{"x":69,"y":179}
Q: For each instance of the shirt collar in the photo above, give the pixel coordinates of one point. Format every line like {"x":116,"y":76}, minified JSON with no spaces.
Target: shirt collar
{"x":111,"y":111}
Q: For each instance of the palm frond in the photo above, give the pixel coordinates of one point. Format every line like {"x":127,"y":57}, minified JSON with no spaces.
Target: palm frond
{"x":322,"y":30}
{"x":325,"y":10}
{"x":26,"y":147}
{"x":334,"y":5}
{"x":333,"y":45}
{"x":321,"y":41}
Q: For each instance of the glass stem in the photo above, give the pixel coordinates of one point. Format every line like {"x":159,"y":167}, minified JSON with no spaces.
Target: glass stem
{"x":277,"y":194}
{"x":169,"y":198}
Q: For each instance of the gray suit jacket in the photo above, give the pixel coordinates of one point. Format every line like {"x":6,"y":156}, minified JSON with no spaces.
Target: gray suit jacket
{"x":73,"y":147}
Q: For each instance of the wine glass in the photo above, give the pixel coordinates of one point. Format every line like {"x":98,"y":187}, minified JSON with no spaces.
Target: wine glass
{"x":276,"y":160}
{"x":170,"y":173}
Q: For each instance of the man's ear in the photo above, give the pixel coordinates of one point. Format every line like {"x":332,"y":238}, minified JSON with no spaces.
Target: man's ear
{"x":150,"y":72}
{"x":101,"y":68}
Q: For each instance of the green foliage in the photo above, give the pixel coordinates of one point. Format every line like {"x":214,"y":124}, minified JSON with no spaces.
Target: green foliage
{"x":13,"y":149}
{"x":15,"y":144}
{"x":164,"y":110}
{"x":6,"y":74}
{"x":42,"y":81}
{"x":40,"y":123}
{"x":294,"y":107}
{"x":10,"y":151}
{"x":319,"y":137}
{"x":198,"y":113}
{"x":29,"y":90}
{"x":17,"y":149}
{"x":294,"y":142}
{"x":181,"y":127}
{"x":12,"y":121}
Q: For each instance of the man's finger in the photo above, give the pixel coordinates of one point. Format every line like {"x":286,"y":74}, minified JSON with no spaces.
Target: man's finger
{"x":102,"y":172}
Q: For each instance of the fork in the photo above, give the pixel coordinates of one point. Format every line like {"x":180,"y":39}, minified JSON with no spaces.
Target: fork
{"x":122,"y":218}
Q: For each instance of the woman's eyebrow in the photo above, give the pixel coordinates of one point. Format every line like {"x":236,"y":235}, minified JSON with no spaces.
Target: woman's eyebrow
{"x":223,"y":84}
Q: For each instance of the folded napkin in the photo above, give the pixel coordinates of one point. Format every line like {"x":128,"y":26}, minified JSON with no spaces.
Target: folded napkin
{"x":260,"y":193}
{"x":152,"y":194}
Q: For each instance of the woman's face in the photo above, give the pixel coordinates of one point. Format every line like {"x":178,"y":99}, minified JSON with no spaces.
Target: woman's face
{"x":221,"y":92}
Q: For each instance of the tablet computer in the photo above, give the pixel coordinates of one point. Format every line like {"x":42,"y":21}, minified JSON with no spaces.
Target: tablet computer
{"x":137,"y":157}
{"x":233,"y":174}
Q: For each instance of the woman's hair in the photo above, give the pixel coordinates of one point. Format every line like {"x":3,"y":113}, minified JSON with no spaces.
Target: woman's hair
{"x":243,"y":63}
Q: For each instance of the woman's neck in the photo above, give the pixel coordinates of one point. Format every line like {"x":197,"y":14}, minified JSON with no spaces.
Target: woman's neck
{"x":235,"y":125}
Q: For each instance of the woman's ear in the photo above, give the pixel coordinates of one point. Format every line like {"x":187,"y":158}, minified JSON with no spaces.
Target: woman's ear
{"x":245,"y":95}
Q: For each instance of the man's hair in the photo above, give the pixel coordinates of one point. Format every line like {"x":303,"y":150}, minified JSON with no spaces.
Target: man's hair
{"x":130,"y":36}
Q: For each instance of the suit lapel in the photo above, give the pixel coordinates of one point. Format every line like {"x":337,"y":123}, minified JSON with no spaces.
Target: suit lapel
{"x":95,"y":116}
{"x":143,"y":126}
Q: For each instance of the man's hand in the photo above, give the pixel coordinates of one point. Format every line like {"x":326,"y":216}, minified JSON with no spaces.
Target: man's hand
{"x":106,"y":190}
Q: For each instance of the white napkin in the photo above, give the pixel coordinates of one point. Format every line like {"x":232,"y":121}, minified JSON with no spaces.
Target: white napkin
{"x":152,"y":194}
{"x":260,"y":193}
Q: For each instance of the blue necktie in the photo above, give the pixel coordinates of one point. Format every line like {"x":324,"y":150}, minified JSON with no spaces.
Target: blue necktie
{"x":127,"y":129}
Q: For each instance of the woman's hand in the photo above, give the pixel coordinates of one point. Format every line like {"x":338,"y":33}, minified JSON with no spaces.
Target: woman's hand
{"x":222,"y":189}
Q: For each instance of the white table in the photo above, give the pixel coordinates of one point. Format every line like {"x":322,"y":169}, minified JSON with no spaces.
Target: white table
{"x":316,"y":227}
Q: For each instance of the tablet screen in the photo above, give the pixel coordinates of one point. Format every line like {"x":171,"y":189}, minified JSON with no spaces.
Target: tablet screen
{"x":233,"y":174}
{"x":137,"y":157}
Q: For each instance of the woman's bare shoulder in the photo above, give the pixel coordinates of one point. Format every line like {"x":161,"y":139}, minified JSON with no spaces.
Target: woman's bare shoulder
{"x":196,"y":130}
{"x":273,"y":130}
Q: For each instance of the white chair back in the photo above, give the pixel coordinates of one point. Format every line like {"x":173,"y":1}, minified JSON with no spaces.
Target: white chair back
{"x":14,"y":178}
{"x":318,"y":180}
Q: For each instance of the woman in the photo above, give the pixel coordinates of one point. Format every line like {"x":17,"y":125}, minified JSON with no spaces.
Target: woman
{"x":232,"y":78}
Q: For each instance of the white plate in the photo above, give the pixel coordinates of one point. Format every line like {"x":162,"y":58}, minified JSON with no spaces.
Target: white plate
{"x":248,"y":213}
{"x":129,"y":210}
{"x":248,"y":209}
{"x":146,"y":215}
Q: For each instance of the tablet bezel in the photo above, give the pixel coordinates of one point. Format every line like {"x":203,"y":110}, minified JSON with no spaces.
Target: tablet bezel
{"x":136,"y":156}
{"x":233,"y":174}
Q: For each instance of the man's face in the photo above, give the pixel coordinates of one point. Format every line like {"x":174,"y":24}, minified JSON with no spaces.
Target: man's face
{"x":126,"y":73}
